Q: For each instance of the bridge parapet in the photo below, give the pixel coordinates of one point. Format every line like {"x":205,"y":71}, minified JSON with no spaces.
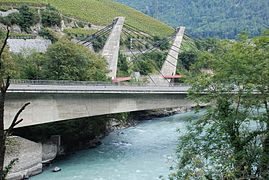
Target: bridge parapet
{"x":88,"y":83}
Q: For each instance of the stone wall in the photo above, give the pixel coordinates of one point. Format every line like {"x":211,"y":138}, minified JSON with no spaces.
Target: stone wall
{"x":28,"y":45}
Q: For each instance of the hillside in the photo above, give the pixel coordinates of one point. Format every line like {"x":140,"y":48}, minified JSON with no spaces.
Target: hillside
{"x":204,"y":18}
{"x":102,"y":12}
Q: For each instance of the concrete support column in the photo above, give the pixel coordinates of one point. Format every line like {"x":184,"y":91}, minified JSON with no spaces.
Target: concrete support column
{"x":112,"y":46}
{"x":170,"y":64}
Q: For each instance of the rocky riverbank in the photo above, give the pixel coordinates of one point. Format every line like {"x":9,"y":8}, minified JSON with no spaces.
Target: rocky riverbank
{"x":158,"y":113}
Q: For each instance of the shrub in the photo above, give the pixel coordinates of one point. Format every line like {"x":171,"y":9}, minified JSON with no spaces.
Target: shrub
{"x":50,"y":17}
{"x":80,"y":24}
{"x":11,"y":19}
{"x":48,"y":34}
{"x":28,"y":17}
{"x":99,"y":43}
{"x":162,"y":43}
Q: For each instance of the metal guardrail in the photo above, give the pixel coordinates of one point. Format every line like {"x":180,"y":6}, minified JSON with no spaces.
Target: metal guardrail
{"x":87,"y":83}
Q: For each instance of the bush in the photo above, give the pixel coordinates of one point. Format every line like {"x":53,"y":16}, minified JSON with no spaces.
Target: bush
{"x":80,"y":24}
{"x":28,"y":17}
{"x":149,"y":62}
{"x":99,"y":43}
{"x":188,"y":58}
{"x":145,"y":67}
{"x":123,"y":68}
{"x":30,"y":67}
{"x":50,"y":17}
{"x":11,"y":19}
{"x":48,"y":34}
{"x":162,"y":43}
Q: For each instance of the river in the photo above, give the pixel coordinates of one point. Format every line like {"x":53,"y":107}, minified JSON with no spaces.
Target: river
{"x":143,"y":152}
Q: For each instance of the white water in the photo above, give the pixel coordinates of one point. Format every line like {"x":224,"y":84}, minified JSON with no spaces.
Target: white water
{"x":143,"y":152}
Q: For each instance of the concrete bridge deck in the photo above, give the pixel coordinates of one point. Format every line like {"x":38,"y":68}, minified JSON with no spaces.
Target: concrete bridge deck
{"x":58,"y":102}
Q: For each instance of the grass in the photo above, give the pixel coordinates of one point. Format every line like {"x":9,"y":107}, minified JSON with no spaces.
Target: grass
{"x":102,"y":12}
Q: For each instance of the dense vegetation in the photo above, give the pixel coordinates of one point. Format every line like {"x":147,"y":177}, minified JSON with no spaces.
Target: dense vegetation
{"x":230,"y":140}
{"x":149,"y":63}
{"x":102,"y":12}
{"x":208,"y":18}
{"x":26,"y":18}
{"x":62,"y":61}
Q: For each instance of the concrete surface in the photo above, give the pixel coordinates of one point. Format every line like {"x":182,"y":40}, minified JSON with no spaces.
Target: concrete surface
{"x":50,"y":103}
{"x":112,"y":46}
{"x":29,"y":156}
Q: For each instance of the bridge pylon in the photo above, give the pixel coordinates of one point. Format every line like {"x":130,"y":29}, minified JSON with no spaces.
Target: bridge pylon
{"x":169,"y":66}
{"x":112,"y":46}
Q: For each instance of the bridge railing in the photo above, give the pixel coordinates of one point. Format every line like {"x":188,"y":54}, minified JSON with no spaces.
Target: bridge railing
{"x":87,"y":83}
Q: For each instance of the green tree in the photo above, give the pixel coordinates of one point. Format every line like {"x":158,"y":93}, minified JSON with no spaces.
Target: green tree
{"x":68,"y":61}
{"x":28,"y":17}
{"x":48,"y":34}
{"x":123,"y":68}
{"x":149,"y":62}
{"x":162,"y":43}
{"x":50,"y":17}
{"x":230,"y":141}
{"x":99,"y":42}
{"x":31,"y":66}
{"x":188,"y":58}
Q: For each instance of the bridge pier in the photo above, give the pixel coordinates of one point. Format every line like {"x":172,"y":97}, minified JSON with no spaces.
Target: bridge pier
{"x":112,"y":46}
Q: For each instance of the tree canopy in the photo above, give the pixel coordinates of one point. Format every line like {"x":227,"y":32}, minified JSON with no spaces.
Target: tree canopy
{"x":230,"y":141}
{"x":63,"y":60}
{"x":208,"y":18}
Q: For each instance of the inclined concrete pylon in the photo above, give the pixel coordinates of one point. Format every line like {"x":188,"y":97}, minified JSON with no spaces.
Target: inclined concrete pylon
{"x":112,"y":47}
{"x":170,"y":65}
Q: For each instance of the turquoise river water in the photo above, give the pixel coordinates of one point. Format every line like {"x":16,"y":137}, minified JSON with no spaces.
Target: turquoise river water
{"x":143,"y":152}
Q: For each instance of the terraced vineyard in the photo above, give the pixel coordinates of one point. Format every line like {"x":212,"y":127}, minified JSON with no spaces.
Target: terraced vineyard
{"x":102,"y":12}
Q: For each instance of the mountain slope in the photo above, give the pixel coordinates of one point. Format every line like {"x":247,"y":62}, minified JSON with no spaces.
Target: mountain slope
{"x":205,"y":18}
{"x":102,"y":12}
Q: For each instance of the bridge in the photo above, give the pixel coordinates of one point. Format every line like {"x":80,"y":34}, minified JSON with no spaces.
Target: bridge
{"x":111,"y":49}
{"x":53,"y":101}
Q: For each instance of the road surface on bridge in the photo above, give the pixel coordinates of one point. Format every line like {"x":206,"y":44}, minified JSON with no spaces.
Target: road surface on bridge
{"x":98,"y":88}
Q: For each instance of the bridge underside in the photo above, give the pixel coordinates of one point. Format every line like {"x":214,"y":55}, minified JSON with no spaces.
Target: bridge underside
{"x":52,"y":107}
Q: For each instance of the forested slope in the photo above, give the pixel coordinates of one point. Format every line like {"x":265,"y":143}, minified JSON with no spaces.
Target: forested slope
{"x":204,"y":18}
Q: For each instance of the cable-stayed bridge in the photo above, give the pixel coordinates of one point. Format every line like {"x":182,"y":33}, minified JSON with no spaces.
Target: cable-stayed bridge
{"x":119,"y":31}
{"x":53,"y":101}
